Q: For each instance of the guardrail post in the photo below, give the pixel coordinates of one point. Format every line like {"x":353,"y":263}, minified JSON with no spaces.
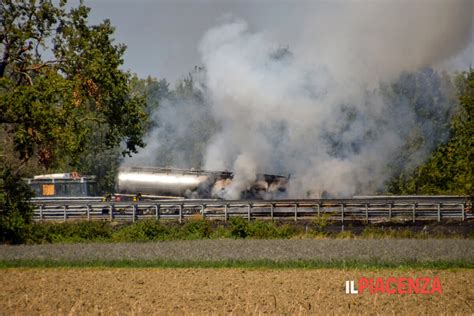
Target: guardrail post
{"x":272,"y":206}
{"x":111,"y":212}
{"x":463,"y":213}
{"x":390,"y":211}
{"x":366,"y":213}
{"x":414,"y":212}
{"x":88,"y":212}
{"x":439,"y":212}
{"x":225,"y":213}
{"x":319,"y":210}
{"x":296,"y":211}
{"x":342,"y":214}
{"x":249,"y":211}
{"x":157,"y":211}
{"x":181,"y":213}
{"x":202,"y":211}
{"x":41,"y":212}
{"x":65,"y":214}
{"x":134,"y":212}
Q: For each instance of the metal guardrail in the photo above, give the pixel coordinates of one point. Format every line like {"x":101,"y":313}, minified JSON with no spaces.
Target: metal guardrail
{"x":405,"y":208}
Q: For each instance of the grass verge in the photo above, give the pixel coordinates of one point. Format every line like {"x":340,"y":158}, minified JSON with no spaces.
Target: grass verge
{"x":268,"y":264}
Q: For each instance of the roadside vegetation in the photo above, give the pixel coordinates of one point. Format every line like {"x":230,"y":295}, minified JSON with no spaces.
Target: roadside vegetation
{"x":235,"y":228}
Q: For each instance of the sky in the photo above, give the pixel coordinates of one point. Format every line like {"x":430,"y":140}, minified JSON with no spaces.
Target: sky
{"x":163,"y":36}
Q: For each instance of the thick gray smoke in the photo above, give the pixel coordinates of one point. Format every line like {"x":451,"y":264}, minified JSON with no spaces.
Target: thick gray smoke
{"x":276,"y":113}
{"x":183,"y":127}
{"x":314,"y":111}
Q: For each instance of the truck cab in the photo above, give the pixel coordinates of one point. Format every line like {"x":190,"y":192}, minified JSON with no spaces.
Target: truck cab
{"x":63,"y":185}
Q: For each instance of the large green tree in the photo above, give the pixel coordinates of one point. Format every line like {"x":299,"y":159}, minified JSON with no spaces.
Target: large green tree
{"x":60,"y":78}
{"x":61,"y":90}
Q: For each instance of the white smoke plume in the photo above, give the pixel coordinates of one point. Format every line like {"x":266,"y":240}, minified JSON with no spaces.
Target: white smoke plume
{"x":276,"y":112}
{"x":182,"y":126}
{"x":313,"y":111}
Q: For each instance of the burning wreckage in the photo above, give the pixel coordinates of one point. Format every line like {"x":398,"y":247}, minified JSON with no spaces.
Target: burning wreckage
{"x":147,"y":182}
{"x":196,"y":183}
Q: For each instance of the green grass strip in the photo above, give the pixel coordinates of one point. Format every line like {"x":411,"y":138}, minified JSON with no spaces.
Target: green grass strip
{"x":252,"y":264}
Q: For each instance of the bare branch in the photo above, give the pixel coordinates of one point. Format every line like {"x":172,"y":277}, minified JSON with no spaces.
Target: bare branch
{"x":27,"y":77}
{"x":37,"y":67}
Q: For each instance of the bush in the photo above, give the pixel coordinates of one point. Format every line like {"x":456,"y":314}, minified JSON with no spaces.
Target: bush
{"x":196,"y":229}
{"x":242,"y":228}
{"x":320,"y":223}
{"x":239,"y":227}
{"x":146,"y":230}
{"x":261,"y":230}
{"x":221,"y":232}
{"x":153,"y":230}
{"x":69,"y":232}
{"x":15,"y":212}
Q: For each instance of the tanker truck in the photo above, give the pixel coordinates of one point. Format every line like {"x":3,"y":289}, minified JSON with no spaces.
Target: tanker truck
{"x":197,"y":184}
{"x":159,"y":183}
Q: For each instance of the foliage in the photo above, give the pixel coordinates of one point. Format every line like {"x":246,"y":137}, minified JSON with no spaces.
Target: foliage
{"x":154,"y":91}
{"x":235,"y":228}
{"x":242,"y":228}
{"x":425,"y":103}
{"x":196,"y":229}
{"x":61,"y":91}
{"x":450,"y":168}
{"x":181,"y":123}
{"x":148,"y":230}
{"x":70,"y":232}
{"x":152,"y":230}
{"x":15,"y":211}
{"x":101,"y":161}
{"x":321,"y":222}
{"x":51,"y":105}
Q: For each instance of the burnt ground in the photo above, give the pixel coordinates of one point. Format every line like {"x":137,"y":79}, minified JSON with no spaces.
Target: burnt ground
{"x":445,"y":228}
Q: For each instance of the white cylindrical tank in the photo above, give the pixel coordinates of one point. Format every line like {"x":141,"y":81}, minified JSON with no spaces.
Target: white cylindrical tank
{"x":159,"y":181}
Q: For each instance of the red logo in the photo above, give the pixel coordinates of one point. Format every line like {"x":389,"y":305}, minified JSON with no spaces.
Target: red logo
{"x":392,"y":285}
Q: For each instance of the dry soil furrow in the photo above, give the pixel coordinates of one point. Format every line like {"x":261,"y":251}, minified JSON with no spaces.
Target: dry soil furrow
{"x":203,"y":291}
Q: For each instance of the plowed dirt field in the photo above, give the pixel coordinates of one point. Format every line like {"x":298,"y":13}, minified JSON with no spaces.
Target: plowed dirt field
{"x":106,"y":291}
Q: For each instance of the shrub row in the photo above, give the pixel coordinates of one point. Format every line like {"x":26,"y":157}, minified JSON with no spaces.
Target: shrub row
{"x":152,"y":230}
